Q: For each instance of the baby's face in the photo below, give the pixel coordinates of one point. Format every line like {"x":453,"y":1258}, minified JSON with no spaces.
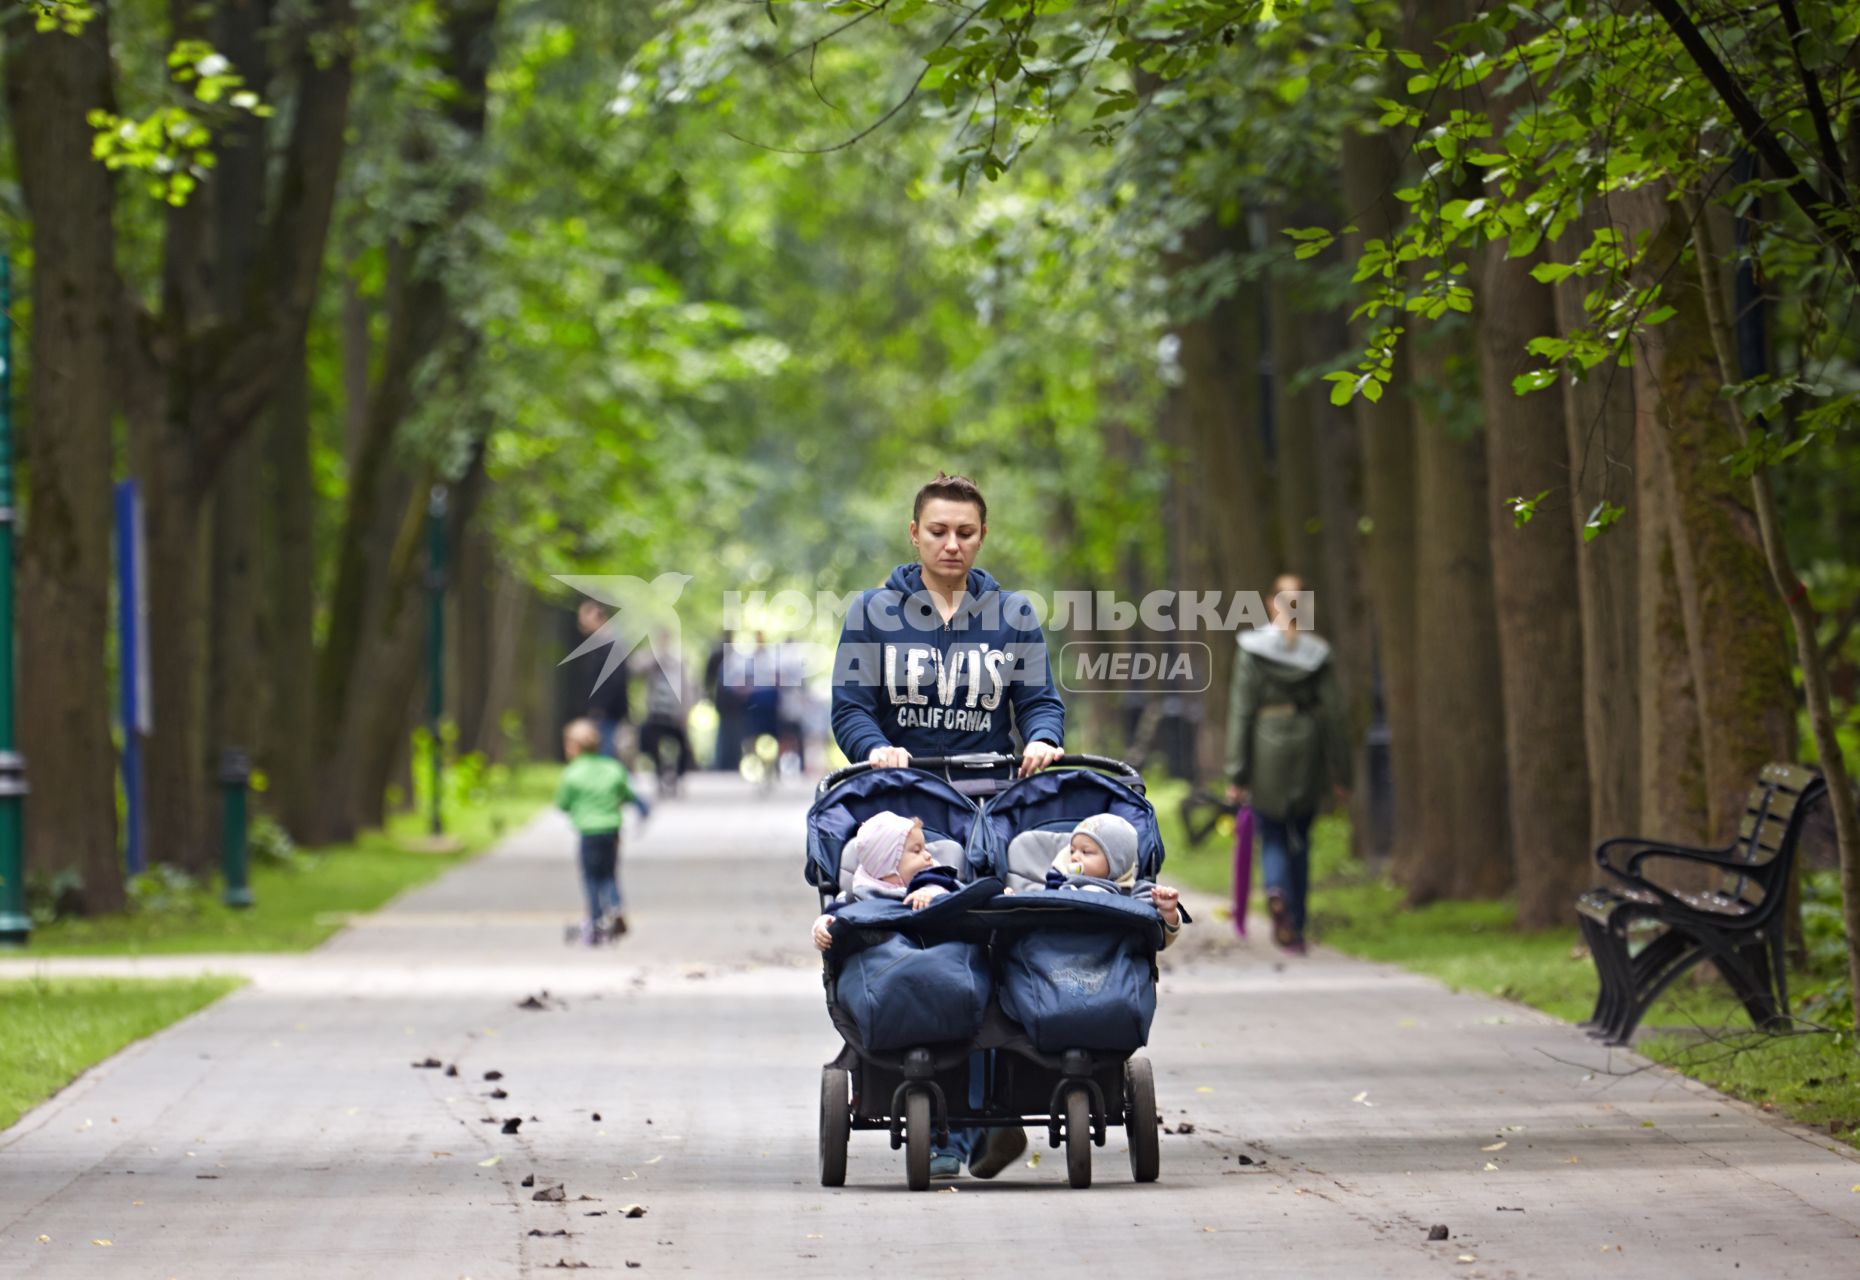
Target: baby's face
{"x":1088,"y":857}
{"x":916,"y":856}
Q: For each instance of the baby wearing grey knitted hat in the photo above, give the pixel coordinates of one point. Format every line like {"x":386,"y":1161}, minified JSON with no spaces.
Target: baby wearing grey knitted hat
{"x":1100,"y":856}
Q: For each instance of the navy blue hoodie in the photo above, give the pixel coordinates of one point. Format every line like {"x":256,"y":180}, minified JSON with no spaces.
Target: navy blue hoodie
{"x":903,"y":677}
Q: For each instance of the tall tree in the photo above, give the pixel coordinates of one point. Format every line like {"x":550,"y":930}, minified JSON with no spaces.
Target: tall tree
{"x":201,"y":369}
{"x":1538,"y":607}
{"x":53,"y":82}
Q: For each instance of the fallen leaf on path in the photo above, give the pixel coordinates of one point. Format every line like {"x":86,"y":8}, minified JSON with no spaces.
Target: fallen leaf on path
{"x":499,"y":1093}
{"x":1505,"y":1208}
{"x":1202,"y":1088}
{"x":513,"y":1124}
{"x":563,"y":1264}
{"x":598,"y":1213}
{"x":103,"y":1244}
{"x":1490,"y":1167}
{"x":438,"y":1154}
{"x":1573,"y":1160}
{"x":552,"y":1194}
{"x":1033,"y":1161}
{"x":538,"y":1231}
{"x":1496,"y":1146}
{"x":1209,"y":1229}
{"x":1466,"y":1257}
{"x":493,"y":1075}
{"x":1646,"y":1124}
{"x":952,"y":1190}
{"x":427,"y":1064}
{"x":656,"y":1158}
{"x":596,"y":1117}
{"x":634,"y":1210}
{"x":45,"y":1239}
{"x":486,"y":1164}
{"x":529,"y":1180}
{"x":1437,"y":1232}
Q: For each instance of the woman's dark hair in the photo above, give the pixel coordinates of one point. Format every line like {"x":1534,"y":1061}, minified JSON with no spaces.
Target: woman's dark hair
{"x":951,"y":489}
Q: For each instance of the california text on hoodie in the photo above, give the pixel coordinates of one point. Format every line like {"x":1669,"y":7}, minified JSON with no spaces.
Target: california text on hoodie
{"x":904,"y":677}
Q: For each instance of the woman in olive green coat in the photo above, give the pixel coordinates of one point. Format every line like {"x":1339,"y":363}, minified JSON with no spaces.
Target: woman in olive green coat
{"x":1288,"y":746}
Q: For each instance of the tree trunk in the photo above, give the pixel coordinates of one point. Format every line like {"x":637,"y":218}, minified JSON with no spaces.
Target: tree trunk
{"x":1536,"y":601}
{"x":240,"y":670}
{"x":1672,"y":801}
{"x":1463,"y":827}
{"x":1734,"y":625}
{"x":52,"y":81}
{"x":1218,"y":406}
{"x":1390,"y":485}
{"x":470,"y":628}
{"x":1293,"y":410}
{"x":504,"y":682}
{"x":289,"y":731}
{"x":1599,"y":423}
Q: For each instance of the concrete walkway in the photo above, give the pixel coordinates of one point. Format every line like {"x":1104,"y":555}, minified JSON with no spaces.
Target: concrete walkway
{"x":1338,"y":1109}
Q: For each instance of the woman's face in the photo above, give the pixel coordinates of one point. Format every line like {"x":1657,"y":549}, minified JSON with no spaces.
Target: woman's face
{"x":948,"y":536}
{"x":1089,"y":858}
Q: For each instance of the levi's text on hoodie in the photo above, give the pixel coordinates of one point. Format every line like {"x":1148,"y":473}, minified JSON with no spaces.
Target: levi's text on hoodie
{"x":903,"y":677}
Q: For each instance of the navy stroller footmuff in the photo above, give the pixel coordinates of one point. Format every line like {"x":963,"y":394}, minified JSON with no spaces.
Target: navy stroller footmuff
{"x":904,"y":992}
{"x":1078,"y":989}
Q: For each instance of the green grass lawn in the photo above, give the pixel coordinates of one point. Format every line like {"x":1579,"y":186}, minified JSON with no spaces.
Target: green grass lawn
{"x":1696,"y":1028}
{"x":301,"y":903}
{"x":55,"y":1028}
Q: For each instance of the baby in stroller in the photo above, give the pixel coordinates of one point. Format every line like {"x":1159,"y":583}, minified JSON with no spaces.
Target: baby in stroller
{"x":1097,"y":856}
{"x":892,"y":860}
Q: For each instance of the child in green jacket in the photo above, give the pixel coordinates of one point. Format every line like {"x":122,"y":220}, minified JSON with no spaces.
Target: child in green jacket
{"x":593,"y":788}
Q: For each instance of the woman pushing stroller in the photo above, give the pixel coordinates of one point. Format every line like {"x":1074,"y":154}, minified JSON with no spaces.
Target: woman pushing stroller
{"x":940,"y":661}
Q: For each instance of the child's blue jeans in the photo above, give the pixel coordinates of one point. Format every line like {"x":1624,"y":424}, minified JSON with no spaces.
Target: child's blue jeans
{"x":600,"y":873}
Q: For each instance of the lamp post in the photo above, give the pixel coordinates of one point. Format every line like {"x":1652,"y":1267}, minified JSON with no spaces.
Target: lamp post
{"x":15,"y":924}
{"x":435,"y":638}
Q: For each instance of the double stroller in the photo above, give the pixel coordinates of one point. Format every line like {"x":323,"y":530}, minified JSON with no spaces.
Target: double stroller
{"x":988,"y":1009}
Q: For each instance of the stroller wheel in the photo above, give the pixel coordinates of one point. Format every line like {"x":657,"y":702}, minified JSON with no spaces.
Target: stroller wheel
{"x":1078,"y":1137}
{"x":1140,"y":1120}
{"x":835,"y":1126}
{"x":917,"y":1140}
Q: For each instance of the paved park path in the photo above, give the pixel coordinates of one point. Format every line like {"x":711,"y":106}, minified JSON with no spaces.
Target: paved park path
{"x":1338,"y":1109}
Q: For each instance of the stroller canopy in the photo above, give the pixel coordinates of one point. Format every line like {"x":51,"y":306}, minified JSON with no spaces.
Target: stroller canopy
{"x":1058,"y":799}
{"x":947,"y":815}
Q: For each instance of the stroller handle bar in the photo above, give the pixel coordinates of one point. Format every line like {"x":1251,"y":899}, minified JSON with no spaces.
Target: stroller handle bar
{"x":1126,"y":771}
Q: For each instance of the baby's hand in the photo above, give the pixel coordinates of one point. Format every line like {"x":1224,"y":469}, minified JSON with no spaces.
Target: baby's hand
{"x":923,"y":897}
{"x":823,"y":932}
{"x":1167,"y":900}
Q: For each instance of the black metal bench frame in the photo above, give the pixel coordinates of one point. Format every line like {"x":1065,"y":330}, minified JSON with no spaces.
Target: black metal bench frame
{"x":1739,"y":926}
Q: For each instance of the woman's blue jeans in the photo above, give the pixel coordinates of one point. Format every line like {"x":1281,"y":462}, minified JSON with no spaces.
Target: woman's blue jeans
{"x":1285,"y":856}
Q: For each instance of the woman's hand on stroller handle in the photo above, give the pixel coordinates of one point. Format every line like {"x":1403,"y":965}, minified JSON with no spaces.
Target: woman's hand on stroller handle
{"x":889,"y":758}
{"x":1036,"y":756}
{"x":823,"y":933}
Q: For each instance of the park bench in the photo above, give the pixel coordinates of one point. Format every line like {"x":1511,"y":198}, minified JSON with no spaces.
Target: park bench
{"x":1733,"y":914}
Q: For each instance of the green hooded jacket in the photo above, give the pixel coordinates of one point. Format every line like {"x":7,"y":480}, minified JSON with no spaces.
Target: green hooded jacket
{"x":1288,"y":739}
